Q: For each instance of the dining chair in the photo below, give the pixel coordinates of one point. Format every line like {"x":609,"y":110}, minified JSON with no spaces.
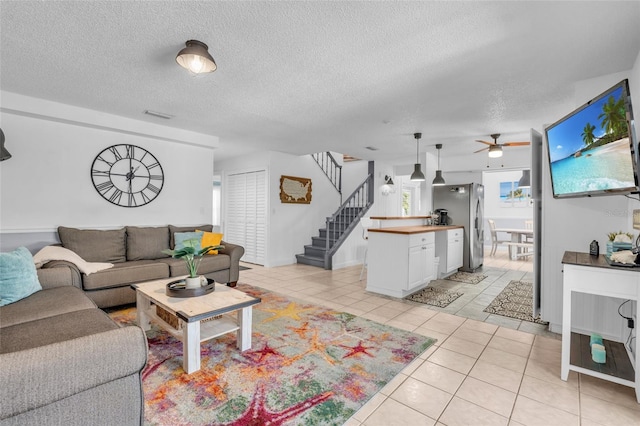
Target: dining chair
{"x":366,"y":223}
{"x":528,"y":224}
{"x":495,"y":241}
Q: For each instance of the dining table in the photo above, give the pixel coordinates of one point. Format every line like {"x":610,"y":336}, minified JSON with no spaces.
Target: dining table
{"x":518,"y":236}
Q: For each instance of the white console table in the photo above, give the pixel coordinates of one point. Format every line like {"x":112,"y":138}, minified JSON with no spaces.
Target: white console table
{"x":593,"y":275}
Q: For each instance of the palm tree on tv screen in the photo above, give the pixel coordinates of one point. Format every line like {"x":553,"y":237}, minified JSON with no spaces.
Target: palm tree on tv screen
{"x":587,"y":134}
{"x":613,"y":117}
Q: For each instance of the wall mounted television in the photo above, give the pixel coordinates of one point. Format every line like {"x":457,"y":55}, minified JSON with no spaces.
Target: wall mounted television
{"x":592,"y":150}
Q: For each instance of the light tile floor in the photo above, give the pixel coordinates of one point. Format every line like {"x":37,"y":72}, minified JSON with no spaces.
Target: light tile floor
{"x":483,"y":370}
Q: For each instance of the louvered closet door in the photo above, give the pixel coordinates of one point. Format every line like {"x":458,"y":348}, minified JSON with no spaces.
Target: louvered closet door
{"x":246,"y":214}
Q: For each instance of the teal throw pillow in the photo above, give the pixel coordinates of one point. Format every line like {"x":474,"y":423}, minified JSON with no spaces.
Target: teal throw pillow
{"x":18,"y":277}
{"x":181,"y":237}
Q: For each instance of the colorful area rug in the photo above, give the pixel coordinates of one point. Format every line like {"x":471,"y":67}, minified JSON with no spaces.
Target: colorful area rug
{"x":434,"y":296}
{"x":466,"y":277}
{"x":515,"y":301}
{"x":308,"y":365}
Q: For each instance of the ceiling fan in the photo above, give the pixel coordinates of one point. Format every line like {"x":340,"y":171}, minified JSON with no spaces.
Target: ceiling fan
{"x":495,"y":148}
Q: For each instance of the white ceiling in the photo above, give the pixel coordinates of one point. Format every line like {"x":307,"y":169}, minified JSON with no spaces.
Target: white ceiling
{"x":303,"y":77}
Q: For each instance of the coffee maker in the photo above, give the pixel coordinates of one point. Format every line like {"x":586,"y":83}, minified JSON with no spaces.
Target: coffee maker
{"x":443,"y":216}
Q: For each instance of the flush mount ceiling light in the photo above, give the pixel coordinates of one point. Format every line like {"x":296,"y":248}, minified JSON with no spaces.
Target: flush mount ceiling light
{"x":439,"y":180}
{"x":196,"y":58}
{"x":495,"y":151}
{"x":417,"y":174}
{"x":525,"y":180}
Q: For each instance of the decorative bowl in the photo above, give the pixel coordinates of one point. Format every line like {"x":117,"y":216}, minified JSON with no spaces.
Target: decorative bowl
{"x":178,"y":289}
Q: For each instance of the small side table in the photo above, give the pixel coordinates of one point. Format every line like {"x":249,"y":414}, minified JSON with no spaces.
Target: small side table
{"x":588,"y":274}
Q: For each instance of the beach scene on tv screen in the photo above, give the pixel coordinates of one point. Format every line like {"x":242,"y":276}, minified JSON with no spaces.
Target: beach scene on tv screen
{"x":589,"y":151}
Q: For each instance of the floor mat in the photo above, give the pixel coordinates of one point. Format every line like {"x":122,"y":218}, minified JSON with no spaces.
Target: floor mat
{"x":515,"y":301}
{"x":434,"y":296}
{"x":466,"y":277}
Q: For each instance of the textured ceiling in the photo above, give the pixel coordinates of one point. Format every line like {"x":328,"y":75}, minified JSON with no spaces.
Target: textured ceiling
{"x":303,"y":77}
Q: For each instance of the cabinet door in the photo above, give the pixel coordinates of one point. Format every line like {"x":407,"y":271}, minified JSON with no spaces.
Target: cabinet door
{"x":417,"y":266}
{"x":454,"y":254}
{"x":430,"y":267}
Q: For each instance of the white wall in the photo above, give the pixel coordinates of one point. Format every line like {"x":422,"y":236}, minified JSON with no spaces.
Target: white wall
{"x":571,"y":224}
{"x":289,"y":226}
{"x":505,"y":215}
{"x":47,"y":182}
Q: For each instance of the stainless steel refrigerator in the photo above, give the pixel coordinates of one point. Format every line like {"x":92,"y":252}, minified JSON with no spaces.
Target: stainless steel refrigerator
{"x":465,"y":205}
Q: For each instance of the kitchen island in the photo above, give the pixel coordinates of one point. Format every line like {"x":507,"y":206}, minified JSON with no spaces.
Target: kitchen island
{"x":402,"y":259}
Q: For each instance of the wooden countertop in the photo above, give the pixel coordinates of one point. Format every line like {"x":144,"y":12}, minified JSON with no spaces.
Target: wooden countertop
{"x":398,"y":217}
{"x":585,"y":259}
{"x":407,"y":230}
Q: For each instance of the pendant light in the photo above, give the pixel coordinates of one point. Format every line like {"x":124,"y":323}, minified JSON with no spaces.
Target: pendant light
{"x":525,"y":180}
{"x":4,"y":154}
{"x":417,"y":175}
{"x":196,"y":58}
{"x":439,"y":180}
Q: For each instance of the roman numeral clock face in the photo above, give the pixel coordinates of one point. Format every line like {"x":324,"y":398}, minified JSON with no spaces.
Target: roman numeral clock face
{"x":127,"y":175}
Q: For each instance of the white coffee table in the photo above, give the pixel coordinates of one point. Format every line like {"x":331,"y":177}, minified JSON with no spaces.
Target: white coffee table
{"x":194,"y":320}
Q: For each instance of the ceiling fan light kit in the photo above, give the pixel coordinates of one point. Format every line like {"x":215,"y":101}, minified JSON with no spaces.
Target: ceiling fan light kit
{"x":195,"y":57}
{"x":495,"y":148}
{"x":417,"y":175}
{"x":495,"y":151}
{"x":438,"y":180}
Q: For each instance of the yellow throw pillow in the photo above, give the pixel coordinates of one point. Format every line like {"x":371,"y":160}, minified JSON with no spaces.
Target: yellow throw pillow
{"x":210,"y":239}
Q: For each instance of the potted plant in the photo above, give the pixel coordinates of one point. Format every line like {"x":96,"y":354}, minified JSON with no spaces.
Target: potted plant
{"x":192,"y":257}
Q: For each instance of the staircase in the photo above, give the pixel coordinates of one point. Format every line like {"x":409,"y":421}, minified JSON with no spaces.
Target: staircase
{"x":339,"y":225}
{"x":331,"y":169}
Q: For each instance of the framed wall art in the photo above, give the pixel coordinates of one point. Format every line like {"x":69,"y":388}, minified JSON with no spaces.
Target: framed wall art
{"x":295,"y":190}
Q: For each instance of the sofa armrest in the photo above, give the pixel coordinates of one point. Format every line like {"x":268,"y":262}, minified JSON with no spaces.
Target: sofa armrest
{"x":235,"y":252}
{"x":40,"y":376}
{"x":56,"y":273}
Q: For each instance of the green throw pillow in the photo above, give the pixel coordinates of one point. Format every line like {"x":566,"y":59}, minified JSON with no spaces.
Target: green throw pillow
{"x":18,"y":277}
{"x":181,"y":237}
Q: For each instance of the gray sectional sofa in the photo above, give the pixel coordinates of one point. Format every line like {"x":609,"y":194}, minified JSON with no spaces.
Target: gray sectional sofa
{"x":136,"y":254}
{"x":65,"y":362}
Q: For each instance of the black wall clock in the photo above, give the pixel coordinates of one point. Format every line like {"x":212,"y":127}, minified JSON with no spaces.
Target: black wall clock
{"x":127,"y":175}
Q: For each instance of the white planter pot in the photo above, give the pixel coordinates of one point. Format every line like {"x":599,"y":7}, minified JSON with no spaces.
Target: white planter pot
{"x":193,"y":282}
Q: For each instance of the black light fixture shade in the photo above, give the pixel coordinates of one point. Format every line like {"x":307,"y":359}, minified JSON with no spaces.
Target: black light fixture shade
{"x":388,"y":180}
{"x":438,"y":180}
{"x":195,"y":57}
{"x":525,"y":180}
{"x":417,"y":175}
{"x":4,"y":154}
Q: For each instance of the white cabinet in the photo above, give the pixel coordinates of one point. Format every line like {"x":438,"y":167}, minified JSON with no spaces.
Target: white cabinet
{"x":421,"y":263}
{"x":400,"y":264}
{"x":449,"y":248}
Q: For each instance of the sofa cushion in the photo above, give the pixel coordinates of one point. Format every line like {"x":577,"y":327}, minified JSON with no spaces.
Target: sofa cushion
{"x":55,"y":329}
{"x":188,"y":239}
{"x":173,"y":229}
{"x":208,"y":264}
{"x":211,"y":239}
{"x":95,"y":245}
{"x":44,"y":304}
{"x":18,"y":278}
{"x":123,"y":274}
{"x":145,"y":243}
